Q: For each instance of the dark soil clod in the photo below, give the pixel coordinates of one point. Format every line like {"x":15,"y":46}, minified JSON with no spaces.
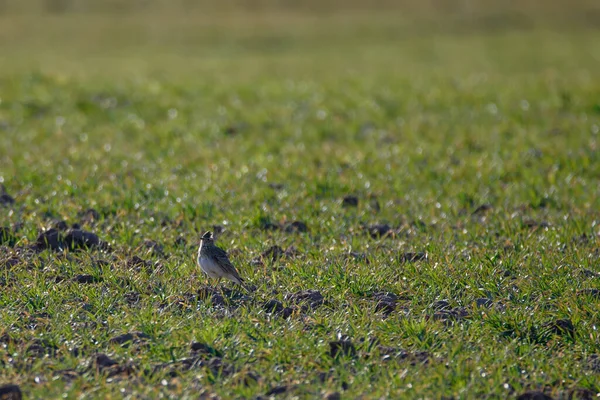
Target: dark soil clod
{"x":277,"y":390}
{"x":387,"y":307}
{"x":333,"y":396}
{"x":180,"y":241}
{"x":291,"y":252}
{"x":207,"y":292}
{"x":10,"y":392}
{"x":153,"y":248}
{"x":49,"y":239}
{"x":67,"y":375}
{"x":414,"y":358}
{"x":342,"y":347}
{"x":174,"y":368}
{"x":138,"y":263}
{"x":296,"y":227}
{"x":360,"y":257}
{"x":385,"y":296}
{"x":6,"y":339}
{"x":287,"y":312}
{"x":272,"y":254}
{"x":379,"y":230}
{"x":268,"y":226}
{"x":582,"y":239}
{"x":5,"y":198}
{"x":80,"y":239}
{"x":451,"y":315}
{"x":219,"y":368}
{"x":386,"y":302}
{"x":203,"y":349}
{"x":257,"y":262}
{"x":561,"y":327}
{"x":89,"y":216}
{"x":593,"y":363}
{"x":273,"y":307}
{"x":86,"y":279}
{"x":102,"y":361}
{"x":531,"y":224}
{"x":482,"y":209}
{"x":218,"y":300}
{"x":127,"y":339}
{"x":218,"y":230}
{"x":350,"y":201}
{"x":40,"y":348}
{"x":313,"y":297}
{"x":251,"y":378}
{"x":106,"y":365}
{"x":231,"y":130}
{"x":413,"y":257}
{"x":588,"y":273}
{"x":132,"y":297}
{"x":593,"y":293}
{"x":582,"y":394}
{"x":484,"y":302}
{"x":534,"y":396}
{"x":441,"y":305}
{"x":10,"y":262}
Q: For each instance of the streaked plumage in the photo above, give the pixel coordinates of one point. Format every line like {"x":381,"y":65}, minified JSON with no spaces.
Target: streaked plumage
{"x":214,"y":261}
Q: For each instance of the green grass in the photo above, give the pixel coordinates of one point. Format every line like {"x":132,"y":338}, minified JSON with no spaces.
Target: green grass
{"x":167,"y":133}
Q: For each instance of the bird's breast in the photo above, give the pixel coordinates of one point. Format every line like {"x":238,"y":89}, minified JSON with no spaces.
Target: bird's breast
{"x":210,"y":266}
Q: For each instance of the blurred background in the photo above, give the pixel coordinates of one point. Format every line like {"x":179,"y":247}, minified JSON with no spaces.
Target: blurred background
{"x":85,"y":35}
{"x":583,"y":11}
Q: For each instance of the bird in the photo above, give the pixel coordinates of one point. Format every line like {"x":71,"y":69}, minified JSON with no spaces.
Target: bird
{"x":215,"y":263}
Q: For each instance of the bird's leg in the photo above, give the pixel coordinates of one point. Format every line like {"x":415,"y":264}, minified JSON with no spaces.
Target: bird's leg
{"x":220,"y":287}
{"x":208,"y":288}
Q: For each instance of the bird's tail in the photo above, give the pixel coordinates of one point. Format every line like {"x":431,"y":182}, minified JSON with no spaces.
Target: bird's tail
{"x":243,"y":284}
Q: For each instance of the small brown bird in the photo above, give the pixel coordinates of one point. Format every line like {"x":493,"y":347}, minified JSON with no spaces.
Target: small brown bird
{"x":214,"y":261}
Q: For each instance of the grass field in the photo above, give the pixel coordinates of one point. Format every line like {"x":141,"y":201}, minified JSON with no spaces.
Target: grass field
{"x":415,"y":201}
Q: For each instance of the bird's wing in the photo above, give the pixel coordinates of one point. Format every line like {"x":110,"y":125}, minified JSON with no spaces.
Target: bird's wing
{"x":223,"y":260}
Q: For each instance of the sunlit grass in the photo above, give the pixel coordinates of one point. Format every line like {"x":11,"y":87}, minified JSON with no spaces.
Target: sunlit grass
{"x":250,"y":134}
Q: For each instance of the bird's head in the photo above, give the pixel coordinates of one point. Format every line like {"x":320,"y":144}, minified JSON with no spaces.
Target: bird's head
{"x":207,"y":237}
